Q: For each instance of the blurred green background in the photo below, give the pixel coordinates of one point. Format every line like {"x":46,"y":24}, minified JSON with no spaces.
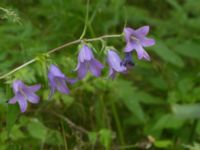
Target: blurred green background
{"x":155,"y":106}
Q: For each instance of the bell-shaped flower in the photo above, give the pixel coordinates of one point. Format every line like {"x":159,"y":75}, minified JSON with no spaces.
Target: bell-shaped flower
{"x":128,"y":60}
{"x":57,"y":80}
{"x":24,"y":93}
{"x":136,"y":40}
{"x":87,"y":62}
{"x":114,"y":63}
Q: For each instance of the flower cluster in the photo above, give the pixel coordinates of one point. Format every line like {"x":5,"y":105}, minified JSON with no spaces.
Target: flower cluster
{"x":135,"y":41}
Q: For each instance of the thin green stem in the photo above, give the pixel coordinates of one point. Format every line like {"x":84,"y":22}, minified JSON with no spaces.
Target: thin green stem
{"x":58,"y":49}
{"x":69,"y":122}
{"x":125,"y":14}
{"x":86,"y":20}
{"x":116,"y":117}
{"x":3,"y":9}
{"x":18,"y":68}
{"x":193,"y":130}
{"x":128,"y":146}
{"x":103,"y":113}
{"x":64,"y":137}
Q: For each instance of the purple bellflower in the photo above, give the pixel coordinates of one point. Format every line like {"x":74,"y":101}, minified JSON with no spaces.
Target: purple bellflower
{"x":114,"y":62}
{"x":87,"y":62}
{"x":57,"y":80}
{"x":136,"y":40}
{"x":24,"y":93}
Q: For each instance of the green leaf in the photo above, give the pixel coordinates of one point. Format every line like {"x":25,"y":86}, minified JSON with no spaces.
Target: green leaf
{"x":16,"y":133}
{"x":54,"y":138}
{"x":175,"y":4}
{"x":185,"y":85}
{"x":135,"y":108}
{"x":189,"y":49}
{"x":92,"y":137}
{"x":105,"y":137}
{"x":168,"y":121}
{"x":3,"y":98}
{"x":195,"y":146}
{"x":167,"y":54}
{"x":26,"y":74}
{"x":162,"y":143}
{"x":128,"y":95}
{"x":37,"y":130}
{"x":187,"y":111}
{"x":12,"y":114}
{"x":158,"y":83}
{"x":3,"y":147}
{"x":147,"y":98}
{"x":68,"y":100}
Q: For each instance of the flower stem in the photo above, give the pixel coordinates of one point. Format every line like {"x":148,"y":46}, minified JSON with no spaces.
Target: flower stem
{"x":128,"y":146}
{"x":86,"y":20}
{"x":193,"y":130}
{"x":60,"y":48}
{"x":117,"y":121}
{"x":18,"y":68}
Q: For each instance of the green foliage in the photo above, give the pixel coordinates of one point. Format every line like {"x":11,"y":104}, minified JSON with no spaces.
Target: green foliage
{"x":163,"y":143}
{"x":105,"y":137}
{"x":168,"y":55}
{"x":13,"y":112}
{"x":10,"y":15}
{"x":158,"y":99}
{"x":37,"y":130}
{"x":187,"y":111}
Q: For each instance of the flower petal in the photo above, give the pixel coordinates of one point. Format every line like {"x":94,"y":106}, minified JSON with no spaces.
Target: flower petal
{"x":85,"y":54}
{"x":142,"y":31}
{"x":55,"y":71}
{"x":13,"y":100}
{"x":95,"y":67}
{"x":51,"y":80}
{"x":112,"y":73}
{"x":52,"y":91}
{"x":61,"y":86}
{"x":130,"y":46}
{"x":147,"y":42}
{"x":146,"y":56}
{"x":82,"y":70}
{"x":32,"y":97}
{"x":139,"y":50}
{"x":128,"y":33}
{"x":71,"y":81}
{"x":114,"y":61}
{"x":142,"y":53}
{"x":16,"y":85}
{"x":77,"y":67}
{"x":22,"y":103}
{"x":34,"y":88}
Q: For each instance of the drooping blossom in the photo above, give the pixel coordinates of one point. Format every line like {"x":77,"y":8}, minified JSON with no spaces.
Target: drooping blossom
{"x":57,"y":80}
{"x":114,"y":63}
{"x":23,"y":94}
{"x":128,"y":60}
{"x":136,"y":40}
{"x":87,"y":62}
